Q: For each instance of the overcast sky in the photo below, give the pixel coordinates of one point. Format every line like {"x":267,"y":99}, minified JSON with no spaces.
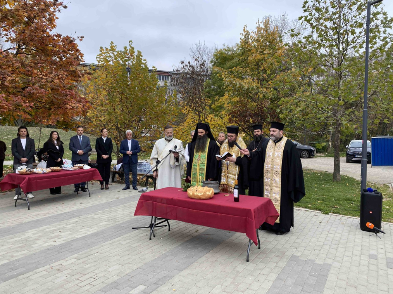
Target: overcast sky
{"x":164,"y":31}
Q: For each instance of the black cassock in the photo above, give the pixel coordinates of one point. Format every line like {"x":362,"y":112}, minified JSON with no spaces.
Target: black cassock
{"x":247,"y":179}
{"x":292,"y":182}
{"x":211,"y":162}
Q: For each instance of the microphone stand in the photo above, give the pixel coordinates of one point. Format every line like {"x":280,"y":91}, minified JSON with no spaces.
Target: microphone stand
{"x":153,"y":168}
{"x":153,"y":221}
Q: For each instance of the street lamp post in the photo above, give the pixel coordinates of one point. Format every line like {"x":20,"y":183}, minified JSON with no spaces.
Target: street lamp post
{"x":364,"y":136}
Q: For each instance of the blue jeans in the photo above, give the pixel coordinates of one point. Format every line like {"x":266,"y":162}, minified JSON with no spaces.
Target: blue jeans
{"x":129,"y":166}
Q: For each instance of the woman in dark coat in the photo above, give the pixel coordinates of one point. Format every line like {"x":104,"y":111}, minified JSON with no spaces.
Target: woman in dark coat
{"x":55,"y":150}
{"x":104,"y":157}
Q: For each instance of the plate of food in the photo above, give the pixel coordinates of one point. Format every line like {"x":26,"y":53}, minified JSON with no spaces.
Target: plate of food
{"x":23,"y":170}
{"x":69,"y":167}
{"x":55,"y":168}
{"x":79,"y":165}
{"x":42,"y":170}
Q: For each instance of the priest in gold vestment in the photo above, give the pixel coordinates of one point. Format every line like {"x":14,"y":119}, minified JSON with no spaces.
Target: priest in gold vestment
{"x":278,"y":162}
{"x":229,"y":170}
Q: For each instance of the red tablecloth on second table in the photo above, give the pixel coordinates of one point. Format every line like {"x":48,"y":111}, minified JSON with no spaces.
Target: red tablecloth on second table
{"x":35,"y":182}
{"x":220,"y":212}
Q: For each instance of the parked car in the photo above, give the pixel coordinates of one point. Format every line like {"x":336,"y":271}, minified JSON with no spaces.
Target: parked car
{"x":354,"y":151}
{"x":305,"y":151}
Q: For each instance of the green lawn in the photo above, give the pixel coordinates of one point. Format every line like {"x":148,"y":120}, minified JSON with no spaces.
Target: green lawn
{"x":8,"y":133}
{"x":340,"y":197}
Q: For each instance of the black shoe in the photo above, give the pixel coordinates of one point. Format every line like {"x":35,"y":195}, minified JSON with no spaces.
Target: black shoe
{"x":76,"y":190}
{"x":126,"y":188}
{"x":281,"y":233}
{"x":58,"y":192}
{"x":102,"y":187}
{"x":135,"y":188}
{"x":53,"y":193}
{"x":83,"y":189}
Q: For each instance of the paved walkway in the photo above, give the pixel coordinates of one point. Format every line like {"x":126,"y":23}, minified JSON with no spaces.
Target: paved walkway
{"x":375,"y":174}
{"x":75,"y":244}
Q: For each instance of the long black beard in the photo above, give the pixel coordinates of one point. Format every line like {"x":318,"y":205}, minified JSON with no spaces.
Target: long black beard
{"x":200,"y":144}
{"x":231,"y":144}
{"x":258,"y":138}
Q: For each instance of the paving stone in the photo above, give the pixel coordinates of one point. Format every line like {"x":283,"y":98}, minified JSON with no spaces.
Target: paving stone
{"x":97,"y":252}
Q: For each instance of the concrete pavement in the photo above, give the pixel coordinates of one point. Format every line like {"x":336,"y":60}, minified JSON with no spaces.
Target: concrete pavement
{"x":75,"y":244}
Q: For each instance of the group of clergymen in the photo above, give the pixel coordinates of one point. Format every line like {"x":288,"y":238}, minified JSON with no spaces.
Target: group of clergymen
{"x":266,"y":167}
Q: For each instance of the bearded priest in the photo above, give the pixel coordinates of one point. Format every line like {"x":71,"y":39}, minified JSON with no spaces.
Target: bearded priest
{"x":230,"y":171}
{"x":203,"y":149}
{"x":169,"y":152}
{"x":278,"y":162}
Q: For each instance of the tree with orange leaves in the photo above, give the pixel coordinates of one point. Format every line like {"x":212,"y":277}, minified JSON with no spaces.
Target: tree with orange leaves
{"x":38,"y":67}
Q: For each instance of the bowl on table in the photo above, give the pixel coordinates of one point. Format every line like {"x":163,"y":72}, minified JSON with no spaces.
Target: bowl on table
{"x":215,"y":185}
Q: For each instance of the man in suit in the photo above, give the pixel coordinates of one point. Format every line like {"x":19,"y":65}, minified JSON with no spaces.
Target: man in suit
{"x":23,"y":150}
{"x":80,"y":147}
{"x":130,"y":149}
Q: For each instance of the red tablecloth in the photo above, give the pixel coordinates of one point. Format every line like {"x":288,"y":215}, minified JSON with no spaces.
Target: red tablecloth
{"x":220,"y":212}
{"x":35,"y":182}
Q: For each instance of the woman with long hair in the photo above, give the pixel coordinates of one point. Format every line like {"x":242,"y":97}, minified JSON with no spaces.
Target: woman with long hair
{"x":55,"y":150}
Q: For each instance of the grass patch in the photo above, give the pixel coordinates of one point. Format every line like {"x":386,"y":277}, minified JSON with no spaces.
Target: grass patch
{"x":340,"y":197}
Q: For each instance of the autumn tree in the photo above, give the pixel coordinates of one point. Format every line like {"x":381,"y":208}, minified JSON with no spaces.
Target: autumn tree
{"x":330,"y":58}
{"x":189,"y":79}
{"x":38,"y":67}
{"x":256,"y":74}
{"x":124,"y":95}
{"x":196,"y":106}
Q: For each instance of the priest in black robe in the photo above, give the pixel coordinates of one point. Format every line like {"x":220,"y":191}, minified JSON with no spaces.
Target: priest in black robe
{"x":278,"y":163}
{"x":248,"y":179}
{"x":203,"y":149}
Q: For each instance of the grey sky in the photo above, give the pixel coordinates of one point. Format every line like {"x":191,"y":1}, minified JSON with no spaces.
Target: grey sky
{"x":165,"y":30}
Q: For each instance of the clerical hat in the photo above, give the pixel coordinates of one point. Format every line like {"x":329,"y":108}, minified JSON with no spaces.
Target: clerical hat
{"x":205,"y":127}
{"x":233,"y":129}
{"x":257,"y":127}
{"x":277,"y":125}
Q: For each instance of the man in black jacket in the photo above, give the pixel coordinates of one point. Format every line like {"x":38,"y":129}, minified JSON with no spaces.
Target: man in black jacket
{"x":3,"y":148}
{"x":23,"y":150}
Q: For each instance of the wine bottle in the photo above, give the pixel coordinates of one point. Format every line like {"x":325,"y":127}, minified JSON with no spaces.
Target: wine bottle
{"x":236,"y":192}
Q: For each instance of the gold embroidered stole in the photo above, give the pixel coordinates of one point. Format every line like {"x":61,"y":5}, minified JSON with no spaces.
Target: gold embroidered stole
{"x":199,"y":162}
{"x":272,"y":172}
{"x":230,"y":170}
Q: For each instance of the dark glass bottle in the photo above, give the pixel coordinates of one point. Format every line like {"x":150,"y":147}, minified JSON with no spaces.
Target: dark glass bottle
{"x":236,"y":192}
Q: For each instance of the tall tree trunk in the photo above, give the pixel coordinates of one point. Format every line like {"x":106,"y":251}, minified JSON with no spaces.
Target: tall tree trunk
{"x":336,"y":148}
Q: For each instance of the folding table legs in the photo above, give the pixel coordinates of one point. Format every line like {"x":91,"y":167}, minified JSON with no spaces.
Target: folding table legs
{"x":249,"y":247}
{"x":23,"y":199}
{"x":153,"y":224}
{"x":87,"y":187}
